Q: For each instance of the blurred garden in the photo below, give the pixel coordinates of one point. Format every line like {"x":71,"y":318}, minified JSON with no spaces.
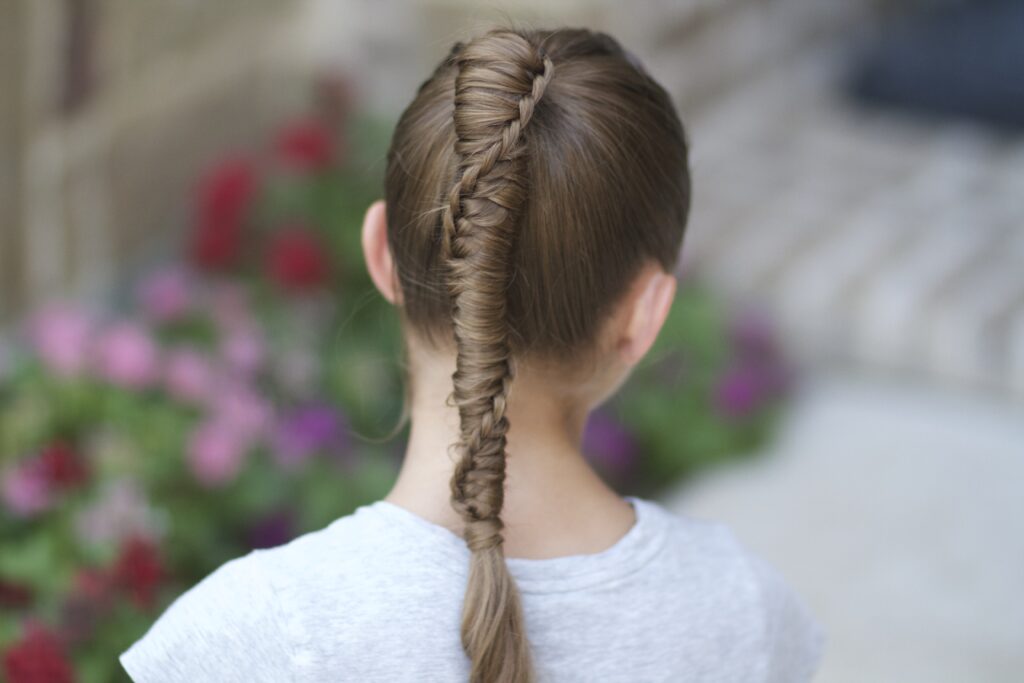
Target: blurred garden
{"x":247,"y":389}
{"x":195,"y":364}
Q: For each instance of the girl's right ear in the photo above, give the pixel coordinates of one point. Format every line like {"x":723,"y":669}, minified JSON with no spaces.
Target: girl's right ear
{"x":376,"y":253}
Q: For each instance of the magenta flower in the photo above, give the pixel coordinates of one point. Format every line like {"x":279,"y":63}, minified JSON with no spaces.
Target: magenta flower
{"x":61,"y":336}
{"x":126,"y":355}
{"x":188,"y":375}
{"x":312,"y":429}
{"x":216,"y":451}
{"x":740,"y":391}
{"x":607,"y":442}
{"x":166,"y":294}
{"x":26,"y":489}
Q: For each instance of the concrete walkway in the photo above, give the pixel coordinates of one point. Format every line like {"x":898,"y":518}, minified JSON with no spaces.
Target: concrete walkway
{"x":897,"y":511}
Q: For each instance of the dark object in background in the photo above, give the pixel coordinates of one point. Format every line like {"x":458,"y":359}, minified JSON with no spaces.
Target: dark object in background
{"x":964,"y":60}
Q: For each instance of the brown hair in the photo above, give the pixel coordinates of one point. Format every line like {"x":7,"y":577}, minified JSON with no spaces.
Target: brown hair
{"x":530,"y":178}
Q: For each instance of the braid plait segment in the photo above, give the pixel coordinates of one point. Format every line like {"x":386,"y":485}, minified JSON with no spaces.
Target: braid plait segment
{"x":499,"y":83}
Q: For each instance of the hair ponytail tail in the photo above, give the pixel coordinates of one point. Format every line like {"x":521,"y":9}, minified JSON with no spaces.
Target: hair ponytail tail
{"x":500,"y":78}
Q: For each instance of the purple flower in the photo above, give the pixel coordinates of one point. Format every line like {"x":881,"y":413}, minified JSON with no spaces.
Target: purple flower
{"x":311,"y":429}
{"x":739,"y":391}
{"x":216,"y":450}
{"x":188,"y":375}
{"x":61,"y":335}
{"x":126,"y":355}
{"x":166,"y":294}
{"x":609,"y":443}
{"x":272,"y":529}
{"x":26,"y":488}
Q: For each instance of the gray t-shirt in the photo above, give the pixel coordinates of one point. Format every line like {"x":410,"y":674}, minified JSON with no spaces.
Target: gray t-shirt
{"x":377,"y":596}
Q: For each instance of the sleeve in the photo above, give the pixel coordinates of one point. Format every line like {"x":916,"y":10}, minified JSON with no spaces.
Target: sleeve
{"x":225,"y":628}
{"x":794,"y":640}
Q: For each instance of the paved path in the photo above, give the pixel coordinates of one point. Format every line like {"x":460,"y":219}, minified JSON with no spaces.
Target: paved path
{"x":897,"y":511}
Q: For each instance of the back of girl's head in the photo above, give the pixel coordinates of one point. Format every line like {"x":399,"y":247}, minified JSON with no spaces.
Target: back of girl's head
{"x":533,"y":175}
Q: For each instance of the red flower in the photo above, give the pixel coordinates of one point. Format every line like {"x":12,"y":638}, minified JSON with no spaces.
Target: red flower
{"x":15,"y":595}
{"x":296,"y":259}
{"x":224,"y":196}
{"x":138,"y":570}
{"x":306,"y":145}
{"x":38,"y":657}
{"x":63,"y":467}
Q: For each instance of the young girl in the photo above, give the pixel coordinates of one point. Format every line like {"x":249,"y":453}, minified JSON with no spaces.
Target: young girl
{"x":536,"y":195}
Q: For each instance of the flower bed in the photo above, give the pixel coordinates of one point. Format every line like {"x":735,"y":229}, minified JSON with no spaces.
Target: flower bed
{"x":244,"y":394}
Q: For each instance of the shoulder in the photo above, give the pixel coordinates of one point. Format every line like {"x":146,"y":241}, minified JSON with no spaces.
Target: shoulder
{"x":793,"y":639}
{"x":750,"y":595}
{"x":229,"y":626}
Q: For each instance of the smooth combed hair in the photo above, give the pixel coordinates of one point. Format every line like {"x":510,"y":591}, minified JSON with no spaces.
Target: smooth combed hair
{"x":527,"y":183}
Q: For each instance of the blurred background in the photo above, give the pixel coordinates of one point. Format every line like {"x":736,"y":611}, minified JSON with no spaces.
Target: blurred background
{"x":194,"y":364}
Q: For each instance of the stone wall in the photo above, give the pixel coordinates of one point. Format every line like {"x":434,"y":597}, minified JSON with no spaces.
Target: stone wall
{"x":109,"y":108}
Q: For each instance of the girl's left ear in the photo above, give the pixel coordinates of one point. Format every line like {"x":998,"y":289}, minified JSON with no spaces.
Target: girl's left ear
{"x":647,"y":314}
{"x":376,"y":252}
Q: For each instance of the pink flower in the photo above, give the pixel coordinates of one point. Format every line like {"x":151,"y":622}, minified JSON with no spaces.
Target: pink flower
{"x":26,"y":489}
{"x":243,"y":409}
{"x":216,"y":450}
{"x":61,"y":335}
{"x":127,"y":355}
{"x":119,"y":511}
{"x":188,"y":375}
{"x":243,"y":348}
{"x":165,"y":294}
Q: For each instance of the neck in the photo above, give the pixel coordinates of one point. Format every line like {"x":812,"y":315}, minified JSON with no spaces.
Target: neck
{"x":554,"y":504}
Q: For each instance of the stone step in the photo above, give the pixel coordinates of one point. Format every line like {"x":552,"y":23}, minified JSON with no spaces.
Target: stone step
{"x":874,"y":237}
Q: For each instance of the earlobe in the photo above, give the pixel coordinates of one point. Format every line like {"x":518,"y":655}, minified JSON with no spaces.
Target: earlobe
{"x":376,"y":252}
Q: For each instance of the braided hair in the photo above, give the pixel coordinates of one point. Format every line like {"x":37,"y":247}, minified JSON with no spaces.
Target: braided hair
{"x":500,"y":81}
{"x":520,"y":205}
